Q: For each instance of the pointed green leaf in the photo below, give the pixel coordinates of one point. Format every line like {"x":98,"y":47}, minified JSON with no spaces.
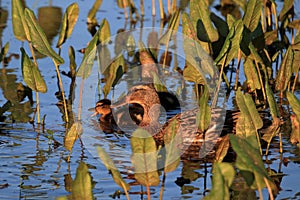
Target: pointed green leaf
{"x":158,"y":84}
{"x":231,"y":46}
{"x":251,"y":74}
{"x":18,"y":20}
{"x":91,"y":18}
{"x":200,"y":15}
{"x":88,"y":59}
{"x":144,"y":158}
{"x":223,"y":175}
{"x":73,"y":65}
{"x":31,"y":74}
{"x":249,"y":121}
{"x":172,"y":158}
{"x":252,"y":14}
{"x":113,"y":74}
{"x":285,"y":71}
{"x":82,"y":185}
{"x":294,"y":102}
{"x":104,"y":34}
{"x":69,"y":20}
{"x":271,"y":101}
{"x":205,"y":111}
{"x":172,"y":28}
{"x":249,"y":160}
{"x":72,"y":135}
{"x":109,"y":164}
{"x":39,"y":39}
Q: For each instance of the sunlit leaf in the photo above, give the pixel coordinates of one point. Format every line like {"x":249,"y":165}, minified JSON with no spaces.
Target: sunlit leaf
{"x":172,"y":28}
{"x":205,"y":110}
{"x":104,"y":34}
{"x":285,"y":71}
{"x":109,"y":164}
{"x":144,"y":158}
{"x":31,"y":74}
{"x":223,"y":175}
{"x":91,"y":18}
{"x":288,"y":6}
{"x":294,"y":102}
{"x":195,"y":54}
{"x":271,"y":101}
{"x":249,"y":121}
{"x":39,"y":39}
{"x":249,"y":161}
{"x":251,"y":74}
{"x":158,"y":84}
{"x":252,"y":14}
{"x":190,"y":73}
{"x":18,"y":20}
{"x":87,"y":62}
{"x":72,"y":135}
{"x":231,"y":46}
{"x":82,"y":185}
{"x":295,"y":24}
{"x":69,"y":20}
{"x":73,"y":65}
{"x":4,"y":51}
{"x":222,"y":149}
{"x":113,"y":73}
{"x":200,"y":15}
{"x":172,"y":158}
{"x":295,"y":133}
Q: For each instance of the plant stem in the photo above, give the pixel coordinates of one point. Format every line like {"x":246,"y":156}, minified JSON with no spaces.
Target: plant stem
{"x":125,"y":7}
{"x":161,"y":9}
{"x":148,"y":192}
{"x":38,"y":107}
{"x":80,"y":99}
{"x":62,"y":92}
{"x":142,"y":8}
{"x":153,"y":8}
{"x":162,"y":186}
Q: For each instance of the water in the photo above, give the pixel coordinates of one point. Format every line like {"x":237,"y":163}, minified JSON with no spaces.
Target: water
{"x":34,"y":162}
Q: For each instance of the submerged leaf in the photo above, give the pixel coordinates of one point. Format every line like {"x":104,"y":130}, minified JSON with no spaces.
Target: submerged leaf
{"x":109,"y":164}
{"x":31,"y":74}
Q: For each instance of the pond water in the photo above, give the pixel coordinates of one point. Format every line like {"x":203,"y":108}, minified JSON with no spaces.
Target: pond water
{"x":36,"y":165}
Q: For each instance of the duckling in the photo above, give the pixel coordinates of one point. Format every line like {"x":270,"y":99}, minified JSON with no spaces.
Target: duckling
{"x":107,"y":118}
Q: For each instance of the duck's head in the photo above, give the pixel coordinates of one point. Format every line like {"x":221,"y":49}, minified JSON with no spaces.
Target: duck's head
{"x":103,"y":107}
{"x":146,"y":96}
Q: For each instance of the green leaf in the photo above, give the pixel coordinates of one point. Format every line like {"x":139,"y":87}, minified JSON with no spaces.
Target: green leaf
{"x":285,"y":71}
{"x":249,"y":121}
{"x":104,"y":34}
{"x":223,"y":175}
{"x":200,"y":15}
{"x":31,"y":74}
{"x":251,"y":74}
{"x":4,"y":51}
{"x":18,"y":20}
{"x":190,"y":73}
{"x":88,"y":59}
{"x":271,"y":101}
{"x":110,"y":166}
{"x":73,"y":65}
{"x":205,"y":111}
{"x":172,"y":152}
{"x":252,"y":14}
{"x":172,"y":28}
{"x":82,"y":185}
{"x":69,"y":20}
{"x":294,"y":102}
{"x":91,"y":18}
{"x":249,"y":161}
{"x":113,"y":73}
{"x":158,"y":84}
{"x":144,"y":158}
{"x":38,"y":37}
{"x":72,"y":135}
{"x":288,"y":6}
{"x":231,"y":45}
{"x":195,"y":55}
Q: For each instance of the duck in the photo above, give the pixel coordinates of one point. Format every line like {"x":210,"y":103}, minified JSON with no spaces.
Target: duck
{"x":189,"y":139}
